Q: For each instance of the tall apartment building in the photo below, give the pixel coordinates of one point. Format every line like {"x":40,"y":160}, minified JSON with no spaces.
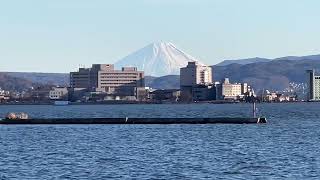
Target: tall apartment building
{"x":314,"y":86}
{"x":195,"y":81}
{"x":195,"y":74}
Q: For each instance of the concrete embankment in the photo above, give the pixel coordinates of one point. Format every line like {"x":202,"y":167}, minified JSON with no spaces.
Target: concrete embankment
{"x":219,"y":120}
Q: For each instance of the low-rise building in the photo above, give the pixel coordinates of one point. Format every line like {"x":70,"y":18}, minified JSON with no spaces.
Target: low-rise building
{"x":112,"y":97}
{"x":40,"y":93}
{"x":4,"y":95}
{"x":78,"y":94}
{"x":143,"y":93}
{"x":58,"y":93}
{"x":269,"y":96}
{"x":203,"y":93}
{"x":170,"y":95}
{"x":232,"y":91}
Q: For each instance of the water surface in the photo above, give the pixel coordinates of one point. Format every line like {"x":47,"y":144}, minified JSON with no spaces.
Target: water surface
{"x":285,"y":148}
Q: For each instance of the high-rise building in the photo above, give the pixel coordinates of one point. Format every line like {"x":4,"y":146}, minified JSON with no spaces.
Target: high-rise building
{"x":195,"y":74}
{"x":314,"y":86}
{"x":194,"y":82}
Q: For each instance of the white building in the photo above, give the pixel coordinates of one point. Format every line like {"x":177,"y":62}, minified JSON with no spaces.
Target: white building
{"x":58,"y":93}
{"x":4,"y":95}
{"x":314,"y":86}
{"x":232,"y":91}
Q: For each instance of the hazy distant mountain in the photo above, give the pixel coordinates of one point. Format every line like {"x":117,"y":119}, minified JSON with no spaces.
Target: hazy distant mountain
{"x":14,"y":83}
{"x":274,"y":75}
{"x":257,"y":60}
{"x":296,"y":58}
{"x":260,"y":73}
{"x":157,"y":59}
{"x":19,"y":81}
{"x":42,"y":78}
{"x":243,"y":61}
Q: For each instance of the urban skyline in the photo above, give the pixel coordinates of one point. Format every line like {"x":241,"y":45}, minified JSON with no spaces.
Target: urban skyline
{"x":104,"y":83}
{"x":159,"y":89}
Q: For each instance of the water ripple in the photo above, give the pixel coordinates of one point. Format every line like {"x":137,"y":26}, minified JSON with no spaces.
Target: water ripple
{"x":285,"y":148}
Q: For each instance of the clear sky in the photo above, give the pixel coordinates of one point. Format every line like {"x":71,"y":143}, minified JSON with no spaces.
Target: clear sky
{"x":58,"y":35}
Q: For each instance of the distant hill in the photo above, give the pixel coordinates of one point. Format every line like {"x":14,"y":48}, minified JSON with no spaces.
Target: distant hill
{"x":258,"y":60}
{"x":42,"y":78}
{"x":243,"y":61}
{"x":299,"y":58}
{"x":274,"y":75}
{"x":14,"y":83}
{"x":21,"y":81}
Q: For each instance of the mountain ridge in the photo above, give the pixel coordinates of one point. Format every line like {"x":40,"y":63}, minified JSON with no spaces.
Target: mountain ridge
{"x":275,"y":74}
{"x":258,"y":60}
{"x":243,"y":61}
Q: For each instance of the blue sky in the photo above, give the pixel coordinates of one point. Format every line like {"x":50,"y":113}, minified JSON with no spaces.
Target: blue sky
{"x":58,"y":35}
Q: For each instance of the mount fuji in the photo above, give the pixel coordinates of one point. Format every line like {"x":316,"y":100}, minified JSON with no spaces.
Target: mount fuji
{"x":157,"y":59}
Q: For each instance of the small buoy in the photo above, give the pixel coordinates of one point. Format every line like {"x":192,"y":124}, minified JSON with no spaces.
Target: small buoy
{"x":262,"y":120}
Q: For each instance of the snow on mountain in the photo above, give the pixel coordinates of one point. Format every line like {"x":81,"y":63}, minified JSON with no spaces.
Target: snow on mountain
{"x":157,"y":59}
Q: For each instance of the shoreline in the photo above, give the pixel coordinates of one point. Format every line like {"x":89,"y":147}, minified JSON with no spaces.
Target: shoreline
{"x":140,"y":103}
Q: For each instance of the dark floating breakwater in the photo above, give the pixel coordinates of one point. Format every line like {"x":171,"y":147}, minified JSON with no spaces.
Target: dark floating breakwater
{"x":126,"y":120}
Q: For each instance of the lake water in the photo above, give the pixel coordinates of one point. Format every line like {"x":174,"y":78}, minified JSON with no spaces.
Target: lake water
{"x":285,"y":148}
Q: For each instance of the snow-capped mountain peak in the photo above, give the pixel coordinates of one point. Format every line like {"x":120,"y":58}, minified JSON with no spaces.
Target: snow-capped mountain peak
{"x":157,"y":59}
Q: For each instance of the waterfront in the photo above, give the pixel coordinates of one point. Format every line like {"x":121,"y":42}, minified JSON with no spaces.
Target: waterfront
{"x":285,"y":148}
